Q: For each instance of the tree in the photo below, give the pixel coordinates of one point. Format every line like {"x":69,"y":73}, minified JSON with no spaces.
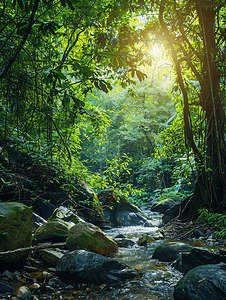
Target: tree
{"x":195,"y":32}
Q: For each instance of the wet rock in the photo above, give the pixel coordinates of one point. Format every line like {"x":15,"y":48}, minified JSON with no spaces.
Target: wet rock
{"x":51,"y":257}
{"x":52,"y":231}
{"x":43,"y":209}
{"x":205,"y":282}
{"x":171,"y":213}
{"x":119,"y":211}
{"x":29,"y":269}
{"x":56,"y":282}
{"x":66,"y":214}
{"x":86,"y":267}
{"x":170,"y":251}
{"x":22,"y":291}
{"x":120,"y":236}
{"x":5,"y":287}
{"x":89,"y":237}
{"x":162,"y":206}
{"x":197,"y":234}
{"x":16,"y":230}
{"x":198,"y":257}
{"x":35,"y":286}
{"x":147,"y":238}
{"x":8,"y":274}
{"x":37,"y":221}
{"x":124,"y":243}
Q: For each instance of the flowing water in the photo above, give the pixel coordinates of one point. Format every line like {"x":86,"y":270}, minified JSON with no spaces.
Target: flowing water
{"x":158,"y":278}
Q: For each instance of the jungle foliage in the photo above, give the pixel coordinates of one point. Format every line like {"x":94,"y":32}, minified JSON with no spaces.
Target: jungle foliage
{"x":78,"y":89}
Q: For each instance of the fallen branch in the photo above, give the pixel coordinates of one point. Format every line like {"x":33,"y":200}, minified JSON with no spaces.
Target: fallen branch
{"x":28,"y":249}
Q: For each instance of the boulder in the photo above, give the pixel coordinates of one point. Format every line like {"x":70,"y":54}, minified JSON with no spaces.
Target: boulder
{"x":16,"y":226}
{"x":66,"y":214}
{"x":89,"y":207}
{"x":52,"y":231}
{"x":51,"y":257}
{"x":162,"y":206}
{"x":205,"y":282}
{"x":89,"y":237}
{"x":198,"y":257}
{"x":43,"y":209}
{"x":37,"y":221}
{"x":147,"y":238}
{"x":124,"y":243}
{"x":87,"y":267}
{"x":170,"y":251}
{"x":119,"y":211}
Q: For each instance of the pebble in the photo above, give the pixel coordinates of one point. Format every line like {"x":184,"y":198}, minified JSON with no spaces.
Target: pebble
{"x":49,"y":289}
{"x":22,"y":291}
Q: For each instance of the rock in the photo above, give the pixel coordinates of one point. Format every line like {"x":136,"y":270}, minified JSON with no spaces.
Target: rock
{"x":171,"y":213}
{"x":91,"y":209}
{"x":43,"y":209}
{"x":199,"y":256}
{"x":119,"y":211}
{"x":37,"y":221}
{"x":52,"y":231}
{"x":170,"y":251}
{"x":66,"y":214}
{"x":51,"y":257}
{"x":162,"y":206}
{"x":8,"y":274}
{"x":146,"y":238}
{"x":205,"y":282}
{"x":89,"y":237}
{"x":22,"y":292}
{"x":35,"y":286}
{"x":5,"y":287}
{"x":197,"y":234}
{"x":87,"y":267}
{"x":124,"y":243}
{"x":15,"y":230}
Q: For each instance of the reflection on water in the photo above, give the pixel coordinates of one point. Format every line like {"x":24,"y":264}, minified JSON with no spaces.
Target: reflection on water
{"x":158,"y":279}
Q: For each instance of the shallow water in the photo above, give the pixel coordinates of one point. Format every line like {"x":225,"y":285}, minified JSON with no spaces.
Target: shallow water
{"x":158,"y":278}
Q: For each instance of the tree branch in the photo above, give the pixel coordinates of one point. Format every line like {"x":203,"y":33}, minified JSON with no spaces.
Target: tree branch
{"x":33,"y":248}
{"x":23,"y":41}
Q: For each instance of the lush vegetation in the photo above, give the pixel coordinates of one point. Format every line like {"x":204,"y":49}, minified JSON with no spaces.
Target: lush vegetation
{"x":122,"y":94}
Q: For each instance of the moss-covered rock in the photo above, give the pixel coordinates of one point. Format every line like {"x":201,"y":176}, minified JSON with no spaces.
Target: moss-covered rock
{"x":170,"y":251}
{"x":146,"y":238}
{"x":119,"y":211}
{"x":86,"y":236}
{"x":65,"y":214}
{"x":53,"y":231}
{"x":89,"y":207}
{"x":16,"y":227}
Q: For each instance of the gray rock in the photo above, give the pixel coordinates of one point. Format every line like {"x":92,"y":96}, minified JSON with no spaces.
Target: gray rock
{"x":87,"y":267}
{"x":198,"y":257}
{"x":5,"y":287}
{"x":203,"y":283}
{"x":170,"y":251}
{"x":122,"y":242}
{"x":163,"y":206}
{"x":119,"y":211}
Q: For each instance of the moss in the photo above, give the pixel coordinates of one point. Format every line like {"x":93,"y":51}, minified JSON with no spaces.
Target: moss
{"x":18,"y":224}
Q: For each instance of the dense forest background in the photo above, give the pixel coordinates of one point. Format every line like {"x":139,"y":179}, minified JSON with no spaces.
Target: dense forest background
{"x":118,"y":94}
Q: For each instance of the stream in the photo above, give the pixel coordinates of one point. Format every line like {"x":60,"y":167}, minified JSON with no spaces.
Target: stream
{"x":158,"y":278}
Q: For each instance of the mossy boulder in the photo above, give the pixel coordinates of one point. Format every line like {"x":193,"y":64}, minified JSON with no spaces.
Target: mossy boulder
{"x":53,"y":231}
{"x":119,"y":211}
{"x":16,"y":227}
{"x":147,"y":238}
{"x":203,"y":283}
{"x":86,"y":236}
{"x":66,"y":214}
{"x":170,"y":251}
{"x":89,"y":207}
